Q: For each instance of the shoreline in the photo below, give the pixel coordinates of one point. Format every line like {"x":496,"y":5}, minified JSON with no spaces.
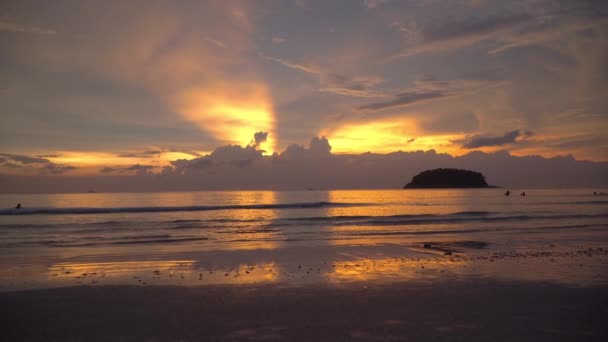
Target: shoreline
{"x":429,"y":261}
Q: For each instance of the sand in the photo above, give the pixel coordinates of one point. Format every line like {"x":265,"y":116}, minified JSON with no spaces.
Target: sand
{"x":434,"y":290}
{"x":472,"y":310}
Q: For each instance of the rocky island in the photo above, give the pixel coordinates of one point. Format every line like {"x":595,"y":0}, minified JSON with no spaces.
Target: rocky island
{"x":448,"y":178}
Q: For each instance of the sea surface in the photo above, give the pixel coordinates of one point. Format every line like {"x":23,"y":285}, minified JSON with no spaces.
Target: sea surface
{"x":299,"y":237}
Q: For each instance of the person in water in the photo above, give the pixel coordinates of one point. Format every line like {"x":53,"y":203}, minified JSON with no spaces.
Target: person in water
{"x":523,"y":193}
{"x":18,"y":206}
{"x":507,"y":193}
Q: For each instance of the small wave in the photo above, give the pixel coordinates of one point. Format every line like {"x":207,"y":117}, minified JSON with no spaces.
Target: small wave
{"x":122,"y":242}
{"x":401,"y":216}
{"x":591,"y":202}
{"x":476,"y":230}
{"x":63,"y":211}
{"x":472,"y":213}
{"x":396,"y":220}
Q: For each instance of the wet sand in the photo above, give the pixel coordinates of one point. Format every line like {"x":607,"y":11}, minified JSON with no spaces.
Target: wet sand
{"x":472,"y":310}
{"x":437,"y":291}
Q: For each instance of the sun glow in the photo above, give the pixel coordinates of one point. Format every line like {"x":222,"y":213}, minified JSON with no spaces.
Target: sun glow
{"x":387,"y":136}
{"x":232,"y":114}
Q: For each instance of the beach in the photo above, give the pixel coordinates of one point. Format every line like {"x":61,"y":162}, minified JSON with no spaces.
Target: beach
{"x":313,"y":265}
{"x":475,"y":310}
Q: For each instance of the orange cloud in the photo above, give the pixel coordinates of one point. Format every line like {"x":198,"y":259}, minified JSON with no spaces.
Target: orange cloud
{"x":385,"y":136}
{"x":230,"y":112}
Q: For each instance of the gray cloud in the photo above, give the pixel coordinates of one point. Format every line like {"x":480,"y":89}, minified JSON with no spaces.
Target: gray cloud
{"x":316,"y":167}
{"x":12,"y":27}
{"x":36,"y":163}
{"x":477,"y":141}
{"x":137,"y":169}
{"x":143,"y":154}
{"x":341,"y":84}
{"x":318,"y":148}
{"x":258,"y":138}
{"x":25,"y":159}
{"x":58,"y":168}
{"x":458,"y":34}
{"x":403,"y":99}
{"x":429,"y":89}
{"x":529,"y":25}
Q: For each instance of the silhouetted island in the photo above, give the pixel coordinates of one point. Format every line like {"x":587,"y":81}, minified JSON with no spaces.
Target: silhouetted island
{"x":448,"y":178}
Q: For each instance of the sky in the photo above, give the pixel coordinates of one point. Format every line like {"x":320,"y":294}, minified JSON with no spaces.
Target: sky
{"x":115,"y":90}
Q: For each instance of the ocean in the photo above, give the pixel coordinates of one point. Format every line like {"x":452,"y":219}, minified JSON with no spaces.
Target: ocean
{"x":297,"y":237}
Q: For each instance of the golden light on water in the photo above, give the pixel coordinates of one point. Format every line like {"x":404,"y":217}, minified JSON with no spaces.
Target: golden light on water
{"x":391,"y":269}
{"x":160,"y":272}
{"x":231,"y":113}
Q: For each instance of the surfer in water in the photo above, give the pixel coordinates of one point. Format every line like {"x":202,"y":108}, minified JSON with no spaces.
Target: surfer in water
{"x":18,"y":206}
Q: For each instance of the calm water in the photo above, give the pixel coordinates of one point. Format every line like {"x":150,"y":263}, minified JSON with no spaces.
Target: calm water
{"x":232,"y":231}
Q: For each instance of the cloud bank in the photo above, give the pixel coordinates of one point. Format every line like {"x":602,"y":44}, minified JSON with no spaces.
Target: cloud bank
{"x":233,"y":167}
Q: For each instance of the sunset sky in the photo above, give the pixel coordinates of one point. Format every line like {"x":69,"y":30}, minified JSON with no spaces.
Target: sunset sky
{"x":96,"y":87}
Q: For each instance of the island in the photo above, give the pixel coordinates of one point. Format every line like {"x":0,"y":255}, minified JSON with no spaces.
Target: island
{"x":448,"y":178}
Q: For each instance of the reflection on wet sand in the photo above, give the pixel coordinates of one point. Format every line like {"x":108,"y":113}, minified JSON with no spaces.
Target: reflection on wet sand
{"x":391,"y":269}
{"x":168,"y":272}
{"x":333,"y":265}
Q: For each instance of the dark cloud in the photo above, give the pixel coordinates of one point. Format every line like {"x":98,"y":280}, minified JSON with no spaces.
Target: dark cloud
{"x":318,"y":148}
{"x":258,"y":138}
{"x":477,"y":141}
{"x":25,"y":159}
{"x":230,"y":155}
{"x":58,"y":168}
{"x":137,"y":169}
{"x":526,"y":24}
{"x":36,"y":163}
{"x":428,"y":88}
{"x":12,"y":165}
{"x":337,"y":83}
{"x":403,"y":99}
{"x":234,"y":153}
{"x":473,"y":27}
{"x":143,"y":154}
{"x":141,"y":169}
{"x":156,"y":153}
